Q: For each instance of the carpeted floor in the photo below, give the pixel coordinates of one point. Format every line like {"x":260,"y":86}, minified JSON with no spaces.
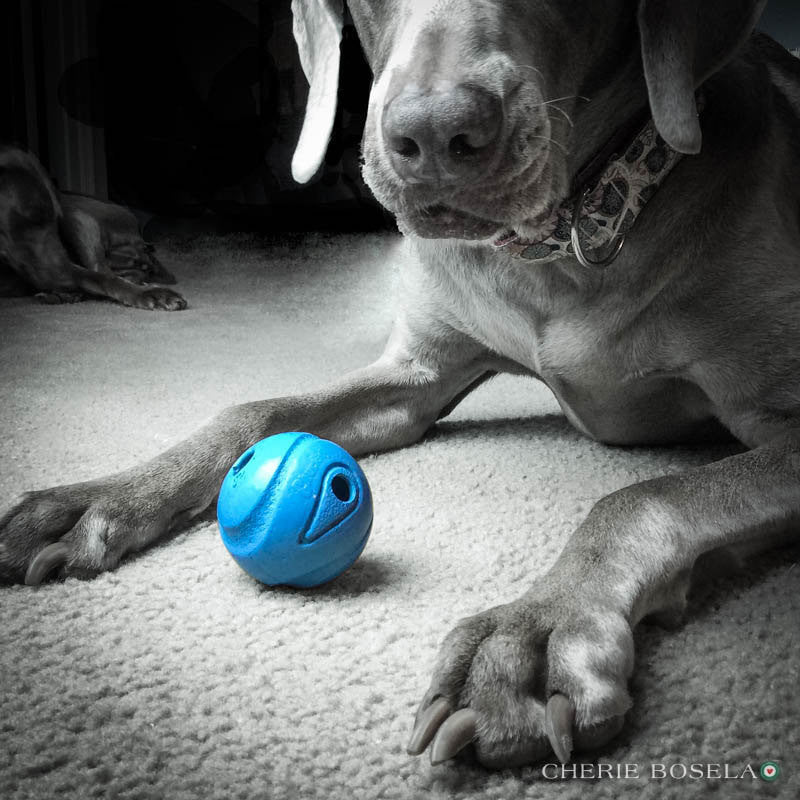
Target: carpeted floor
{"x":179,"y":677}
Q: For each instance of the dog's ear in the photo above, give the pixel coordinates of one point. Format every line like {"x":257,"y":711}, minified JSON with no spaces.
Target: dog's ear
{"x":317,"y":31}
{"x":684,"y":42}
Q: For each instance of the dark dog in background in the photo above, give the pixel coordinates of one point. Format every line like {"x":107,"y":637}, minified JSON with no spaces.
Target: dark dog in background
{"x":43,"y":235}
{"x":102,"y":236}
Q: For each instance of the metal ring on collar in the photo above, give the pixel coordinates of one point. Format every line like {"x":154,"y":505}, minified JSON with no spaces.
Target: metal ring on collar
{"x":575,"y":238}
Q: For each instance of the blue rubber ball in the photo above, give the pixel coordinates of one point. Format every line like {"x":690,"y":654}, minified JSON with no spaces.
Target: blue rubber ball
{"x":295,"y":510}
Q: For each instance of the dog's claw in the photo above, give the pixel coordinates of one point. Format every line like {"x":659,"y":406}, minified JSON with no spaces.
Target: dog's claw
{"x":456,"y":732}
{"x":558,"y":721}
{"x":427,"y":724}
{"x":54,"y":555}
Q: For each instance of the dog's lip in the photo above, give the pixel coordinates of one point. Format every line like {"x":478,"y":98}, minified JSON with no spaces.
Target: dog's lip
{"x":441,"y":221}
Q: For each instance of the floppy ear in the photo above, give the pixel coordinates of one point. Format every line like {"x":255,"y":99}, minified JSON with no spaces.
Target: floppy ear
{"x":317,"y":31}
{"x":684,"y":42}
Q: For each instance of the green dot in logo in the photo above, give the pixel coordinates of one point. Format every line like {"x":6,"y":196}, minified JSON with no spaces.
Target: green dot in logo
{"x":770,"y":771}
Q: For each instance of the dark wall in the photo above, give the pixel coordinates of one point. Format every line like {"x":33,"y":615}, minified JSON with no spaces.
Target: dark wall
{"x":182,"y":108}
{"x":781,"y":20}
{"x":209,"y":119}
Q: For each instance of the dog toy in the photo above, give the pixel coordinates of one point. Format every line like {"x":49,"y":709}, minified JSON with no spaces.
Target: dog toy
{"x":295,"y":510}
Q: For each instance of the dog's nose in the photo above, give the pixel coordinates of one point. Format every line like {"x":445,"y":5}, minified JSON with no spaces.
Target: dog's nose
{"x":443,"y":136}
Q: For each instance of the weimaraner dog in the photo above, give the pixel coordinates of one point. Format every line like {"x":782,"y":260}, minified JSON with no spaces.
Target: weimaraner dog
{"x":67,"y":246}
{"x":605,"y":196}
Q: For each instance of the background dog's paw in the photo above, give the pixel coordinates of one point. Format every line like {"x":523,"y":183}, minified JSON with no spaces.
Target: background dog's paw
{"x":524,"y":680}
{"x":159,"y":297}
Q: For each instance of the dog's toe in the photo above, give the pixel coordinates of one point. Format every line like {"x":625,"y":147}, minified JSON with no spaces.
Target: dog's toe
{"x":45,"y":561}
{"x":159,"y":297}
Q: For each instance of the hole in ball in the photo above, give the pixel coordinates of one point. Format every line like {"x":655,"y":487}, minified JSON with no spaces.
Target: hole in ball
{"x":340,"y":486}
{"x":243,"y":459}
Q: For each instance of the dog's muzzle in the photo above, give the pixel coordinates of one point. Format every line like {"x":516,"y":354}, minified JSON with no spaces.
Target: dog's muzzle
{"x":447,"y":135}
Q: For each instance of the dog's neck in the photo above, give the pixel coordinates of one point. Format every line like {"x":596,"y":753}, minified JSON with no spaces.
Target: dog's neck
{"x":606,"y":197}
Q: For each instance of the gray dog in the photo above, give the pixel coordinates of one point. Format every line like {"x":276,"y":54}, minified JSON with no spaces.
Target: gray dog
{"x":605,"y":196}
{"x":67,"y":246}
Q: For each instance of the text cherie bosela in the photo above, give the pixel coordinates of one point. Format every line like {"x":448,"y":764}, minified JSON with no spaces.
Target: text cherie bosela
{"x":654,"y":771}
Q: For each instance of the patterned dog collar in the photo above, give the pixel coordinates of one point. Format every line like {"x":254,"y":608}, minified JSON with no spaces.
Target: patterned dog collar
{"x":599,"y":214}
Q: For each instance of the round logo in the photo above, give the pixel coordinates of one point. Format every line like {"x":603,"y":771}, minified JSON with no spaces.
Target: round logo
{"x":770,"y":771}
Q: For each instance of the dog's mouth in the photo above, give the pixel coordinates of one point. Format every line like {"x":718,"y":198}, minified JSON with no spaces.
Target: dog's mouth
{"x":524,"y":205}
{"x":439,"y":221}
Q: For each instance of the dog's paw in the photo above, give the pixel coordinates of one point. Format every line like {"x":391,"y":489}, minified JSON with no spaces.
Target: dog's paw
{"x":517,"y":682}
{"x":79,"y":530}
{"x":159,"y":297}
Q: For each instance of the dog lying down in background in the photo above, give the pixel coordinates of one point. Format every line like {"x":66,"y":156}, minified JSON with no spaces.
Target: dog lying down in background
{"x":66,"y":246}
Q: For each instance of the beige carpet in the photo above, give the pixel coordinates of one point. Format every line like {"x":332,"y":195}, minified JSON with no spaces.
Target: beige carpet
{"x":177,"y":676}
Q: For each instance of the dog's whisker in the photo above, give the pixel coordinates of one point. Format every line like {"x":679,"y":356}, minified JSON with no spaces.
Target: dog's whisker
{"x":567,"y":97}
{"x":552,"y":103}
{"x":562,"y":99}
{"x":565,"y":116}
{"x":551,"y":140}
{"x":530,"y":67}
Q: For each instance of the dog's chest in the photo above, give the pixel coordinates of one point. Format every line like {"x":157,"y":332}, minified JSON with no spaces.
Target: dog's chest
{"x":611,"y":379}
{"x":540,"y":319}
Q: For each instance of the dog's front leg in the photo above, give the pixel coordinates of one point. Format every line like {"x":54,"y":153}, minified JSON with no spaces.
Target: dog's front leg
{"x":550,"y":670}
{"x":86,"y":528}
